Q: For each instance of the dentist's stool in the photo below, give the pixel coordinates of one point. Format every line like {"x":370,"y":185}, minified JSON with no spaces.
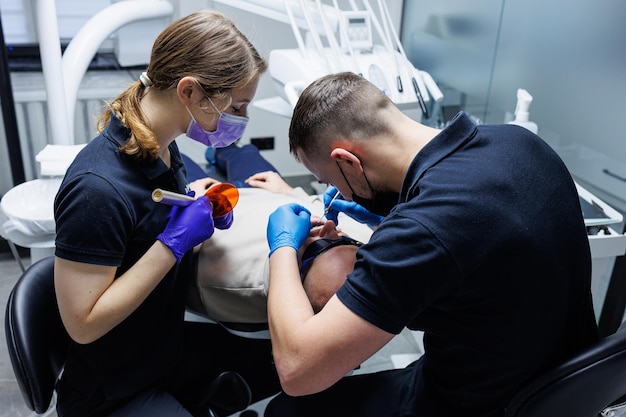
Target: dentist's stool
{"x":591,"y":383}
{"x":35,"y":336}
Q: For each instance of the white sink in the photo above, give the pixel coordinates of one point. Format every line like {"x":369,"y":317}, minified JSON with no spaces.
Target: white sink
{"x":27,"y":213}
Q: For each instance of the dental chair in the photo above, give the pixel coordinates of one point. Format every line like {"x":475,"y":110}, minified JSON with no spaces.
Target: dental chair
{"x":36,"y":339}
{"x":37,"y":344}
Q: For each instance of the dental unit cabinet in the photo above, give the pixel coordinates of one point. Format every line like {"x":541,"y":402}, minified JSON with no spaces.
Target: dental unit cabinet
{"x":335,"y":36}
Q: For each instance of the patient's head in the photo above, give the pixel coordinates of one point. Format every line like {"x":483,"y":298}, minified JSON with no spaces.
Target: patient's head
{"x":326,"y":259}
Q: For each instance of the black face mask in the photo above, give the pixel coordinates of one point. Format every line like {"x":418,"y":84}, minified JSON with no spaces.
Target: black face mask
{"x":381,"y":202}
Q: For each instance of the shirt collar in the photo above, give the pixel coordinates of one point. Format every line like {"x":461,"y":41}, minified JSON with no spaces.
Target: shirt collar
{"x":460,"y":130}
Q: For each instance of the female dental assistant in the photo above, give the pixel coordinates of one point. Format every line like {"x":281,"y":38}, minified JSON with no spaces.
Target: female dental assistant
{"x":122,"y":264}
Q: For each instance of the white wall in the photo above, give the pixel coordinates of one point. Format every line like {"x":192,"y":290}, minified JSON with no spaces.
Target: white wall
{"x":569,"y":54}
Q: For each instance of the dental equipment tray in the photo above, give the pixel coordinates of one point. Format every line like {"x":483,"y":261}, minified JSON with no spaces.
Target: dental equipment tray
{"x":596,"y":213}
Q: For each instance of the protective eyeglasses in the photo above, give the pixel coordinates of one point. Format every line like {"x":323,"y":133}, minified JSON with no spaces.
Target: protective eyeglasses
{"x":320,"y":246}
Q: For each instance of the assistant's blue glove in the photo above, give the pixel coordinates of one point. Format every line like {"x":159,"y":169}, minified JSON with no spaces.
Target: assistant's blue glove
{"x":187,"y":227}
{"x":224,"y":222}
{"x":288,"y":225}
{"x":352,"y":209}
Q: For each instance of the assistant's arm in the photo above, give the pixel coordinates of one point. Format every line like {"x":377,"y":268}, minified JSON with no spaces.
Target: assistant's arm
{"x":92,"y":301}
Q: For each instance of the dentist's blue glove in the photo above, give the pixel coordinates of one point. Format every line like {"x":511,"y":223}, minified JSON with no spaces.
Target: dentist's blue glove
{"x":329,"y":194}
{"x":187,"y":227}
{"x":352,"y":209}
{"x":288,"y":225}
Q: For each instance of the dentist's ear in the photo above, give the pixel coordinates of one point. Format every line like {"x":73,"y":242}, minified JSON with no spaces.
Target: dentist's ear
{"x":346,"y":159}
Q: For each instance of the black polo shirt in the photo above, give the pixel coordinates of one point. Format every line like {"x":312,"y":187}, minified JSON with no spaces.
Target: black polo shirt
{"x":105,"y":215}
{"x":487,"y":253}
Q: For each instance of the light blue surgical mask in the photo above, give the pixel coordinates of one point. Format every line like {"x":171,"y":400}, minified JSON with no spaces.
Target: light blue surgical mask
{"x":229,"y":129}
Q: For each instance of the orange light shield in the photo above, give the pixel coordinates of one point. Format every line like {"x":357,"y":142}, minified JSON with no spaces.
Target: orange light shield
{"x":224,"y":197}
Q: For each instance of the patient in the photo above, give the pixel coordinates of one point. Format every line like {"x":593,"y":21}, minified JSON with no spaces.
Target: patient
{"x":326,"y":258}
{"x":232,"y":266}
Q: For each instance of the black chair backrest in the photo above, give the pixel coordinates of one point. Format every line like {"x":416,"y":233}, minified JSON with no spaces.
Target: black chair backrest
{"x":36,"y":339}
{"x":581,"y":387}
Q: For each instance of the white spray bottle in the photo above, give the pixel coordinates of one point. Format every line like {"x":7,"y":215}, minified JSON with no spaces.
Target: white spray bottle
{"x":521,"y":111}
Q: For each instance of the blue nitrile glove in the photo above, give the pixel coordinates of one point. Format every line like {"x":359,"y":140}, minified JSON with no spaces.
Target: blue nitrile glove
{"x":224,"y":222}
{"x":329,"y":194}
{"x":352,"y":209}
{"x":357,"y":212}
{"x":288,"y":225}
{"x":187,"y":227}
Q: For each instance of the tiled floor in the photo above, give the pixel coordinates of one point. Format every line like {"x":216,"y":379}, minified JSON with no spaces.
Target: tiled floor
{"x":401,"y":349}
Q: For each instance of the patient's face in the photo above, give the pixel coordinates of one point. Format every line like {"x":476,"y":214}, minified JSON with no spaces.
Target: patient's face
{"x":320,"y":229}
{"x":328,"y":271}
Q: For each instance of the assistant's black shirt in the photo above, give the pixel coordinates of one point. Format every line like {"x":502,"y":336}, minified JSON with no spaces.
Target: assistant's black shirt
{"x":105,"y":215}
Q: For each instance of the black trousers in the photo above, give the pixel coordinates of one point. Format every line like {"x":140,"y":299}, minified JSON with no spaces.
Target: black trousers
{"x":209,"y":351}
{"x":392,"y":393}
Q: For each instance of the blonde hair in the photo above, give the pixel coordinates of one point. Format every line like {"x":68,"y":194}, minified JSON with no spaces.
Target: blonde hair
{"x":205,"y":45}
{"x":342,"y":105}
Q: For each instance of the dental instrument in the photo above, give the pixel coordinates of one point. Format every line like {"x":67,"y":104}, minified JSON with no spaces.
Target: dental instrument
{"x":223,"y":197}
{"x":327,"y":208}
{"x":171,"y":198}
